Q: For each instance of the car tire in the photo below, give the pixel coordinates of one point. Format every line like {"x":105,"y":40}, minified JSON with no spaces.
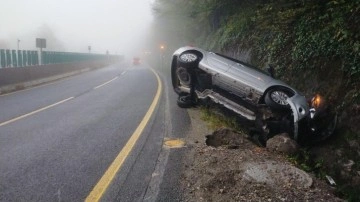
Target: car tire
{"x":276,"y":98}
{"x":184,"y":76}
{"x":188,"y":59}
{"x":185,"y":101}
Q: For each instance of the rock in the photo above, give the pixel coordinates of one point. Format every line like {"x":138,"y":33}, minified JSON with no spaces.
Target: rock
{"x":282,"y":143}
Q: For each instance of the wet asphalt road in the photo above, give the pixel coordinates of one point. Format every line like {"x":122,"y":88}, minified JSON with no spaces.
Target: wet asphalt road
{"x":57,"y":140}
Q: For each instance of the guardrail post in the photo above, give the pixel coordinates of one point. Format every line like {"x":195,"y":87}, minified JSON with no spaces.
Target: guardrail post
{"x":14,"y":58}
{"x":8,"y":58}
{"x":20,"y":58}
{"x":33,"y":58}
{"x":55,"y":58}
{"x":36,"y":58}
{"x":2,"y":58}
{"x":24,"y":58}
{"x":43,"y":58}
{"x":29,"y":59}
{"x":52,"y":58}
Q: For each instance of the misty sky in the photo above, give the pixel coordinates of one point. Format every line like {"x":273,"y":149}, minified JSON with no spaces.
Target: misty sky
{"x":72,"y":25}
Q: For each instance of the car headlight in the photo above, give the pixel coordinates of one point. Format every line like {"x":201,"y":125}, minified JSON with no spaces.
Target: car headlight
{"x":317,"y":102}
{"x":188,"y":57}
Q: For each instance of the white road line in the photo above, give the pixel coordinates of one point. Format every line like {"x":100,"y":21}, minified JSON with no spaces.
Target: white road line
{"x":34,"y":112}
{"x":99,"y":86}
{"x":124,"y":72}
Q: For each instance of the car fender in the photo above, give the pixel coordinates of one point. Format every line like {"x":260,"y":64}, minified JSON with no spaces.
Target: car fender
{"x":187,"y":48}
{"x":300,"y":109}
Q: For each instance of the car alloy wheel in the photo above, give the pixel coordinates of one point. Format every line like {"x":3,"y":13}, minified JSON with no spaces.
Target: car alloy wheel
{"x":276,"y":98}
{"x":188,"y":57}
{"x":188,"y":60}
{"x":279,"y":97}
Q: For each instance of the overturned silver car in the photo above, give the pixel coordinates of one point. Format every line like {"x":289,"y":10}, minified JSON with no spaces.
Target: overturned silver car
{"x":250,"y":92}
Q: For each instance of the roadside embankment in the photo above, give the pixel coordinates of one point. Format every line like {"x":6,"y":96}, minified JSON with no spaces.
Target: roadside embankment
{"x":239,"y":170}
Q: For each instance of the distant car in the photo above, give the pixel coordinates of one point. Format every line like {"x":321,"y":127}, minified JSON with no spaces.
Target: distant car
{"x":136,"y":61}
{"x":250,"y":92}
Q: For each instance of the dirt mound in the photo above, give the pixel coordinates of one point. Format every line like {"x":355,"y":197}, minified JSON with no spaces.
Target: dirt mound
{"x":225,"y":137}
{"x":247,"y":173}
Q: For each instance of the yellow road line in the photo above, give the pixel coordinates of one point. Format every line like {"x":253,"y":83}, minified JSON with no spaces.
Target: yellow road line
{"x":34,"y":112}
{"x":104,"y":182}
{"x":99,"y":86}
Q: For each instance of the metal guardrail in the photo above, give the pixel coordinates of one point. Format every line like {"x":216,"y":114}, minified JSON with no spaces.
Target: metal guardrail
{"x":23,"y":58}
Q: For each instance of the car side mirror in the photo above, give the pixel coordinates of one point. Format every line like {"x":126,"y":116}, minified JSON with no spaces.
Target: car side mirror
{"x":270,"y":69}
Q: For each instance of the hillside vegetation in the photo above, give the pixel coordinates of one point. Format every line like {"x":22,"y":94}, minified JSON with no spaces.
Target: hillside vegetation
{"x":313,"y":45}
{"x":295,"y":36}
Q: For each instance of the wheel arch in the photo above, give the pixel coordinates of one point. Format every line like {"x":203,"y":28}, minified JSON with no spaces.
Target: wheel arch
{"x":285,"y":88}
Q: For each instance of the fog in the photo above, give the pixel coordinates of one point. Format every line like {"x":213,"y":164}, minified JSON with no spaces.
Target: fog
{"x":119,"y":26}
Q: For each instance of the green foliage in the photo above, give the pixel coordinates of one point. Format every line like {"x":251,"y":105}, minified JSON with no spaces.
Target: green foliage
{"x":217,"y":120}
{"x":325,"y":32}
{"x":305,"y":161}
{"x":351,"y":193}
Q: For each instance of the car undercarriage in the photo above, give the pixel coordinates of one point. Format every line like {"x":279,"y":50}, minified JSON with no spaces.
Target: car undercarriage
{"x":273,"y":106}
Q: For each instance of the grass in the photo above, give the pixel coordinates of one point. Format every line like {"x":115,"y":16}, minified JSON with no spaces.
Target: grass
{"x":217,"y":119}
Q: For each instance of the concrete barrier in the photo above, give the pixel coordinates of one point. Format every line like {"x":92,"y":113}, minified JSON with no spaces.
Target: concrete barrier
{"x":12,"y":79}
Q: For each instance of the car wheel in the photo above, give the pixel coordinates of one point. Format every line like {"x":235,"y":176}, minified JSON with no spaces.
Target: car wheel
{"x":185,"y":101}
{"x":183,"y":76}
{"x":188,"y":59}
{"x":277,"y":98}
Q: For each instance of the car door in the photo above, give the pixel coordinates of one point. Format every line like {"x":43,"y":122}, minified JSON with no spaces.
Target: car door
{"x":247,"y":78}
{"x":217,"y":67}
